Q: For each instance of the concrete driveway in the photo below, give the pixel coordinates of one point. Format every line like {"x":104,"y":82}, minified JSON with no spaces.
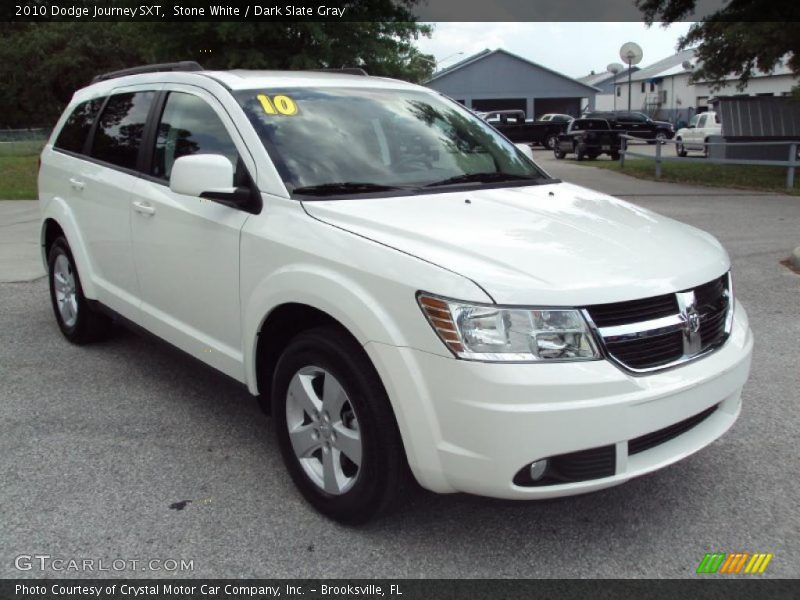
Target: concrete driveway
{"x":20,"y":253}
{"x":102,"y":446}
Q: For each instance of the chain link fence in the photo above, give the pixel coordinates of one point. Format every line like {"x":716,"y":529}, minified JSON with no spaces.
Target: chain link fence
{"x":22,"y":142}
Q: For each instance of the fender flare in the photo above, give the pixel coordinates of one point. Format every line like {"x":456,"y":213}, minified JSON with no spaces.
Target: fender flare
{"x":58,"y":210}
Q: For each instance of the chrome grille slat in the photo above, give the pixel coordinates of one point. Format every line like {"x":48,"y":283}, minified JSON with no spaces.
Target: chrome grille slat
{"x":664,"y":331}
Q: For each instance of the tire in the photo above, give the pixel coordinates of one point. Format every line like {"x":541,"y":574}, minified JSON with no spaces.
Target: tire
{"x":614,"y":156}
{"x":705,"y":148}
{"x":78,"y":320}
{"x":353,"y":463}
{"x":661,"y":137}
{"x":551,"y":142}
{"x":680,"y":149}
{"x":579,"y":154}
{"x":559,"y":154}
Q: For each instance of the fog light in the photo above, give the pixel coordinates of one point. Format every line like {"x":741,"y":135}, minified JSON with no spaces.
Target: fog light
{"x":537,"y":469}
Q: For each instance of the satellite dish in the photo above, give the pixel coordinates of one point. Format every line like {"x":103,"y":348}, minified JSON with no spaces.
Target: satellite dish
{"x":631,"y":53}
{"x":615,"y":68}
{"x":687,"y":65}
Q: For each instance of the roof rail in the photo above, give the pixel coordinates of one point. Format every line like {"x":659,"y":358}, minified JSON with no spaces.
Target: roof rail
{"x":184,"y":65}
{"x":344,"y":71}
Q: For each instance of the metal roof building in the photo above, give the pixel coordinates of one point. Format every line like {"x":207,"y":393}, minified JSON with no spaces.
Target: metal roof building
{"x":500,"y":80}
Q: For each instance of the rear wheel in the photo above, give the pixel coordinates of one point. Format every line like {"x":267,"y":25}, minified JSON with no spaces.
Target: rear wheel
{"x":76,"y":318}
{"x":705,"y":148}
{"x":336,"y":428}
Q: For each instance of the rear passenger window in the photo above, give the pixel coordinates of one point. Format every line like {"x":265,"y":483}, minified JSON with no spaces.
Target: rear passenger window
{"x":76,"y":129}
{"x":189,"y":126}
{"x":119,"y":131}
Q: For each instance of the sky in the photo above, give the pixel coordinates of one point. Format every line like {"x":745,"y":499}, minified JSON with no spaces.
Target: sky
{"x":573,"y":49}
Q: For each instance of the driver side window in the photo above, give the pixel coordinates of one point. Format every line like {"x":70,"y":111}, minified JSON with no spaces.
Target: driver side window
{"x":189,"y":126}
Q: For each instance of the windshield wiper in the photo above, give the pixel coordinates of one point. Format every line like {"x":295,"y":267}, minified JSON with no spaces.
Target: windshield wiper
{"x":489,"y":177}
{"x":344,"y":187}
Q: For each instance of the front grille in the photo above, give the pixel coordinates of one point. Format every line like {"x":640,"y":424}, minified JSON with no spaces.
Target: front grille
{"x":594,"y":463}
{"x":693,"y":322}
{"x":651,"y":440}
{"x":648,"y":352}
{"x":620,"y":313}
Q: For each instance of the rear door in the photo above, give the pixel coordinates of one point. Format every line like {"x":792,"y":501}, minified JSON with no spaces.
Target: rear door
{"x":102,"y":185}
{"x":187,"y":248}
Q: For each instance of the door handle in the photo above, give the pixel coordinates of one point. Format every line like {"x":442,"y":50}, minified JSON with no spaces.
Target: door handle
{"x":144,"y":208}
{"x":76,"y":184}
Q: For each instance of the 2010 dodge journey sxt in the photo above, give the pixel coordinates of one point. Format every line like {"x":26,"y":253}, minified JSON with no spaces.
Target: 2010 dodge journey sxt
{"x":406,"y":291}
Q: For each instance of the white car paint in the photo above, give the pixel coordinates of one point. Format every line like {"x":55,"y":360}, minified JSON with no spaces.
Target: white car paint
{"x":466,"y":425}
{"x":702,"y":126}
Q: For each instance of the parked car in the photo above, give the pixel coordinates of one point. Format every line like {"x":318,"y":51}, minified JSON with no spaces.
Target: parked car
{"x":513,"y":125}
{"x":695,"y":137}
{"x":558,"y":118}
{"x":636,"y":124}
{"x":405,"y":290}
{"x":588,"y":138}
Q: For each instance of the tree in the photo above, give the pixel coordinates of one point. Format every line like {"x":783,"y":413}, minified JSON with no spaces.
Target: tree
{"x":740,"y":38}
{"x":42,"y":64}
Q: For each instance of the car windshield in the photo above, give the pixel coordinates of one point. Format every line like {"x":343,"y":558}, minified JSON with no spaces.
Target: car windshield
{"x":325,"y":141}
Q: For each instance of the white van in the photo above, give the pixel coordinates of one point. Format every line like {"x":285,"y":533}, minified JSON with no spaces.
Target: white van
{"x":410,"y":296}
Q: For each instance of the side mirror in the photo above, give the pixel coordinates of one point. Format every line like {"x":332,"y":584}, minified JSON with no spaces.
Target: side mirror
{"x":690,"y":127}
{"x":526,"y":150}
{"x":197,"y":174}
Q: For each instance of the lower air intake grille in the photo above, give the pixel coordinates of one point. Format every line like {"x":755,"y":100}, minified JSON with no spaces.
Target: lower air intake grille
{"x":651,"y":440}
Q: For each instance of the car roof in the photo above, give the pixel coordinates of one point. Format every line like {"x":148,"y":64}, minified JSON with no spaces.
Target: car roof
{"x":242,"y":79}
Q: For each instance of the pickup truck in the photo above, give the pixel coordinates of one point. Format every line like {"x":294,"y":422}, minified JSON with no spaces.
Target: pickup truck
{"x":636,"y":124}
{"x":512,"y":124}
{"x":695,"y":136}
{"x":588,"y":138}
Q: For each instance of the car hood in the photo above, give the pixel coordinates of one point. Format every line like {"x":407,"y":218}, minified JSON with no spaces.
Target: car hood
{"x":554,"y":244}
{"x":666,"y":124}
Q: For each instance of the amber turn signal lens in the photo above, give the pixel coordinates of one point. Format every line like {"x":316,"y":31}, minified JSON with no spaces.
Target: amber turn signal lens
{"x":438,"y":314}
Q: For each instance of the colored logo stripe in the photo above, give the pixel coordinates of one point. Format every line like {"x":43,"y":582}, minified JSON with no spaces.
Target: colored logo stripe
{"x":720,"y":562}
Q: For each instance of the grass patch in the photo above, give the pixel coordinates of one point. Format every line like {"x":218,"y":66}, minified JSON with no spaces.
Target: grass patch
{"x":742,"y":177}
{"x":18,"y":177}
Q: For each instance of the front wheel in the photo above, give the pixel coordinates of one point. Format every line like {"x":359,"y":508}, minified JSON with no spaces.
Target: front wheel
{"x":680,"y":149}
{"x":551,"y":142}
{"x":335,"y":427}
{"x":76,"y":318}
{"x":661,"y":137}
{"x":558,"y":153}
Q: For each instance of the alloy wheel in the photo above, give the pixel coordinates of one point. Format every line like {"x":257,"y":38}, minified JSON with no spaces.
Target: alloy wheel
{"x":323,"y":430}
{"x":66,"y":292}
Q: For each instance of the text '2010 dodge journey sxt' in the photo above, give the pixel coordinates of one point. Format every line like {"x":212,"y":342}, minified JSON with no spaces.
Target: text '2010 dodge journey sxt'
{"x":408,"y":293}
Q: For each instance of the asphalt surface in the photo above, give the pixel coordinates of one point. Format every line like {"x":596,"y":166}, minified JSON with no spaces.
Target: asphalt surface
{"x":97,"y":443}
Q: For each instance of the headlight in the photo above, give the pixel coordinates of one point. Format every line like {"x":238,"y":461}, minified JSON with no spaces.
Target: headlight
{"x":498,"y":334}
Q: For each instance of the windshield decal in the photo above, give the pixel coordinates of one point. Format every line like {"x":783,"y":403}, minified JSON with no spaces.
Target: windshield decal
{"x":278,"y":105}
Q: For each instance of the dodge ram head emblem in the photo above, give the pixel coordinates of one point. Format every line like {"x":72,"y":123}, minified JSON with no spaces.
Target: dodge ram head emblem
{"x":692,"y":320}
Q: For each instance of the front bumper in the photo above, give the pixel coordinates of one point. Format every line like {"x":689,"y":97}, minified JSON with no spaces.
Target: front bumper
{"x":471,"y":426}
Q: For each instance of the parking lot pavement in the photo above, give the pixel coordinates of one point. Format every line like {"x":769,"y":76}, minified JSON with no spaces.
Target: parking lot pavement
{"x":98,"y":442}
{"x":20,"y":254}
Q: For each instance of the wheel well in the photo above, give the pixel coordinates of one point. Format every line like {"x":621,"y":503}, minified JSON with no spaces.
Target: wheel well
{"x":52,"y":231}
{"x":281,"y":325}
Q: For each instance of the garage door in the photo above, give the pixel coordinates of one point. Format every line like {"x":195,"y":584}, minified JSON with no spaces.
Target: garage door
{"x":500,"y":104}
{"x":564,"y":106}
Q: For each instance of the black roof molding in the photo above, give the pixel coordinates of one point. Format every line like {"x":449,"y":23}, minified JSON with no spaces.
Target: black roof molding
{"x":184,"y":65}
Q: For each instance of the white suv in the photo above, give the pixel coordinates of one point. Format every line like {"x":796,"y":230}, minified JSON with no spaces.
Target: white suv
{"x":406,"y":291}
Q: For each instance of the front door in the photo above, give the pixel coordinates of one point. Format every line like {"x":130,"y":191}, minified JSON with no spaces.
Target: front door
{"x":187,"y":248}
